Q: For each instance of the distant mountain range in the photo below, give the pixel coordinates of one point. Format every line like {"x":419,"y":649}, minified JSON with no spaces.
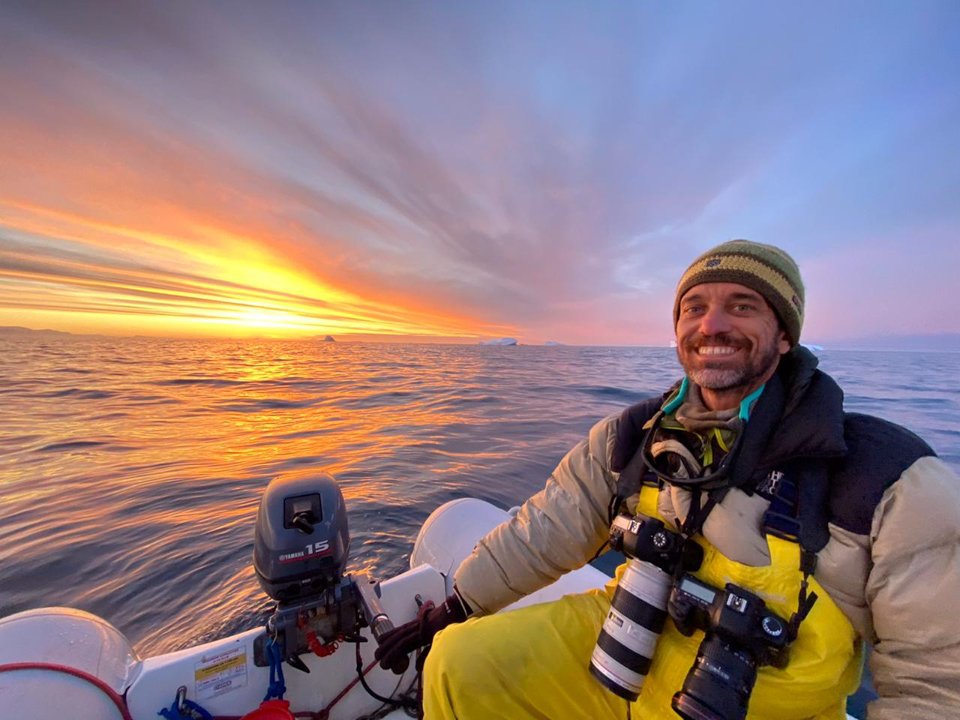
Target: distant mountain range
{"x":941,"y":342}
{"x":16,"y":330}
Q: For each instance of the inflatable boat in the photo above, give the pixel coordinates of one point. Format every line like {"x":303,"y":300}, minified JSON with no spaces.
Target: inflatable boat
{"x":58,"y":663}
{"x":315,"y":656}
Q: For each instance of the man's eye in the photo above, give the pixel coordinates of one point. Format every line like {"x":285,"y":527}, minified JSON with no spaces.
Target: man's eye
{"x":744,"y":307}
{"x":692,"y":309}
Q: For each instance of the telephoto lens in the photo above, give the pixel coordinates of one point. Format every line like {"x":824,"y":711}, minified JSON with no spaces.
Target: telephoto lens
{"x":621,"y":658}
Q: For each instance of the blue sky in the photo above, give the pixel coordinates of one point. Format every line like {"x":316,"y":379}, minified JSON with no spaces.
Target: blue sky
{"x":540,"y":170}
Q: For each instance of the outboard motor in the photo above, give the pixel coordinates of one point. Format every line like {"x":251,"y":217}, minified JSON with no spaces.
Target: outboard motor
{"x":301,"y":541}
{"x":300,"y":550}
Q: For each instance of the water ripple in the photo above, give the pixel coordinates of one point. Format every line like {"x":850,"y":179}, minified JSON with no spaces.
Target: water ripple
{"x":132,"y":468}
{"x":199,"y":382}
{"x":79,"y":394}
{"x":71,"y":445}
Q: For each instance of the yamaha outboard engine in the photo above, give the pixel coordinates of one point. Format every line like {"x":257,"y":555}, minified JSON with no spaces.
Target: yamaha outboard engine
{"x":300,"y":551}
{"x":301,"y":541}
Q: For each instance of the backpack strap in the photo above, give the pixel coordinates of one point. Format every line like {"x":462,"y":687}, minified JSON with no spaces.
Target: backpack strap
{"x":626,"y":457}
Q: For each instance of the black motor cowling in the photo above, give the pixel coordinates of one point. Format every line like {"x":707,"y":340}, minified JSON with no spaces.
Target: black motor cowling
{"x":301,"y":541}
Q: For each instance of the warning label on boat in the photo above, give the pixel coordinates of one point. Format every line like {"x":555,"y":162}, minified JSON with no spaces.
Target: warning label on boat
{"x":221,"y":672}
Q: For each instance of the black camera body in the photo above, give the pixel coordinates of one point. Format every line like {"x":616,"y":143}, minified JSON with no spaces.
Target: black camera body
{"x":741,"y":634}
{"x":649,"y":540}
{"x":734,"y":614}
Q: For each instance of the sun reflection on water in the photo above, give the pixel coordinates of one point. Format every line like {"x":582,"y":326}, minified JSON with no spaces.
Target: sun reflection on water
{"x":131,"y":470}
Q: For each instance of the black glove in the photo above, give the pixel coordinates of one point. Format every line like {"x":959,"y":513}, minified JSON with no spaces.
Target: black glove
{"x":396,"y":645}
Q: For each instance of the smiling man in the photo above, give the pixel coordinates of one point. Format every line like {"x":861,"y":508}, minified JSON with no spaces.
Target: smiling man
{"x":793,"y":533}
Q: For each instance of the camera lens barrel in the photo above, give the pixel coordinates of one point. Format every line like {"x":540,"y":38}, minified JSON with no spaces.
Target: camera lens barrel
{"x":628,"y":638}
{"x":719,"y":684}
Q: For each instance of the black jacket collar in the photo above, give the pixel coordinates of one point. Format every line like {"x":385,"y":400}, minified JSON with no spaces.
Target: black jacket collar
{"x":807,"y":418}
{"x":798,"y":416}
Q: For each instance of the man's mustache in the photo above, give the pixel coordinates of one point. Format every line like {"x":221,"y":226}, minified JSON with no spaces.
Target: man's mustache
{"x":721,"y":339}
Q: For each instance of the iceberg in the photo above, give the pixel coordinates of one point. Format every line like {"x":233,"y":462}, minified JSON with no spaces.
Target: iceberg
{"x":503,"y":342}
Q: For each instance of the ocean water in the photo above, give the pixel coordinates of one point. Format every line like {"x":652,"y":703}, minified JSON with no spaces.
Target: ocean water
{"x":131,"y":469}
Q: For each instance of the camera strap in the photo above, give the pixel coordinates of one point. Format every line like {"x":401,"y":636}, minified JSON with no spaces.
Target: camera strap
{"x":805,"y":602}
{"x":697,"y":515}
{"x":782,"y":520}
{"x":693,"y":523}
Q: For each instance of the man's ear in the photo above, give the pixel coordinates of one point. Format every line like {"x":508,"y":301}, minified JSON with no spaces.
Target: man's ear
{"x":783,"y":342}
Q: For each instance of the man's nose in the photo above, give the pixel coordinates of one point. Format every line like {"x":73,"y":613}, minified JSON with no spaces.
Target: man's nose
{"x":715,"y":321}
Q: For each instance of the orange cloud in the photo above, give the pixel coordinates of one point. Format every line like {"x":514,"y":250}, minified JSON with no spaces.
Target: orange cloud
{"x":104,"y":223}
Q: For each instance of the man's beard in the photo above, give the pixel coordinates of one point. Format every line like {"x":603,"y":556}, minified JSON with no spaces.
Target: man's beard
{"x":725,"y":376}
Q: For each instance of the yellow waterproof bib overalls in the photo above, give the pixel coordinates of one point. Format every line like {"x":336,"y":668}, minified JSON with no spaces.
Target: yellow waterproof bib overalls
{"x":533,"y":662}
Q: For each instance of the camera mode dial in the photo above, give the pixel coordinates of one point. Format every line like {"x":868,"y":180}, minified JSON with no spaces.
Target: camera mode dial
{"x":772,"y":626}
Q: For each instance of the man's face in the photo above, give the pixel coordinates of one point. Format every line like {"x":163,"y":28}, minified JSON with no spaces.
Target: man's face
{"x":729,"y":341}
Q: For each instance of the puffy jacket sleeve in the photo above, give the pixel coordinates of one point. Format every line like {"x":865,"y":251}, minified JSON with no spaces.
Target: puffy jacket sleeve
{"x":557,"y":530}
{"x":913,"y":591}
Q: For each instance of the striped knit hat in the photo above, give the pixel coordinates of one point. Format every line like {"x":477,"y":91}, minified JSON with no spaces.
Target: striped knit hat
{"x":764,"y":268}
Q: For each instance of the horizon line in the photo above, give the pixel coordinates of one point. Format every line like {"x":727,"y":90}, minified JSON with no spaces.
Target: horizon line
{"x":414,"y":339}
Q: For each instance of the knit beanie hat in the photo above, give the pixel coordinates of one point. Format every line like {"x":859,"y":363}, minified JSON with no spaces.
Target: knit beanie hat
{"x":763,"y":268}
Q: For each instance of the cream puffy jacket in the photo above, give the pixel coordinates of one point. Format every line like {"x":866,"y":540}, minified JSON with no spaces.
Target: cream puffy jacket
{"x":881,"y":511}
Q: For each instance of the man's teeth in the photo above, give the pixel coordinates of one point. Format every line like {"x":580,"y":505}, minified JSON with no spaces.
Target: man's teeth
{"x":716,"y":350}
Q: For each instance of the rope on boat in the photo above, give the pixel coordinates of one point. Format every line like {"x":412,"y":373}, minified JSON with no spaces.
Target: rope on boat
{"x":114,"y":696}
{"x":121,"y":704}
{"x":277,"y":686}
{"x":323,"y":714}
{"x":183,"y":709}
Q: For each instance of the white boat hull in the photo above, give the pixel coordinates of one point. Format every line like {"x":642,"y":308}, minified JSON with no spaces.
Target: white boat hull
{"x":222,"y":676}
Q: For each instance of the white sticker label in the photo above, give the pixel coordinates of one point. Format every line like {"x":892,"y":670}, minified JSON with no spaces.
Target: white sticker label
{"x":220,"y":673}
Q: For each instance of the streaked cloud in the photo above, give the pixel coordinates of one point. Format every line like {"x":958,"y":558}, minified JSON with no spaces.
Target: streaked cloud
{"x":539,"y":170}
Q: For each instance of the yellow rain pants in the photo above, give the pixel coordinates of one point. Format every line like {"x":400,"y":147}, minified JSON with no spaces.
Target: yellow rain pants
{"x":533,"y":662}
